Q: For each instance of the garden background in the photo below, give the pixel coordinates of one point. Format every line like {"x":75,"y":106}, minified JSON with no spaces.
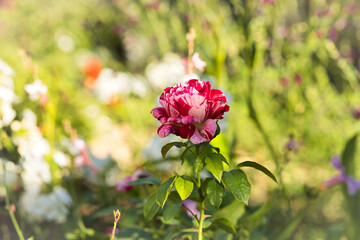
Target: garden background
{"x":290,"y":73}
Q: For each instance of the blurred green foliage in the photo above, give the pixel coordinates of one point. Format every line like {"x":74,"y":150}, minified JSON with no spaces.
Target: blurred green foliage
{"x":290,"y":67}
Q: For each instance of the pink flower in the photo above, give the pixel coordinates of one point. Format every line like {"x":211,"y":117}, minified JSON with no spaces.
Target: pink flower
{"x":189,"y":110}
{"x":198,"y":63}
{"x":268,"y":2}
{"x":195,"y":62}
{"x":352,"y":184}
{"x":37,"y":90}
{"x":83,"y":158}
{"x":284,"y":81}
{"x":191,"y":208}
{"x":123,"y":185}
{"x":356,"y":113}
{"x":298,"y":79}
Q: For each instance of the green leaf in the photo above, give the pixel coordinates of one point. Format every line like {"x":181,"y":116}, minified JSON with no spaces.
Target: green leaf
{"x":132,"y":233}
{"x":164,"y":191}
{"x":199,"y":164}
{"x":150,"y":207}
{"x":215,"y":192}
{"x":348,"y":155}
{"x":174,"y":196}
{"x":237,"y":183}
{"x":220,"y":157}
{"x":186,"y":153}
{"x":170,"y":210}
{"x":291,"y":226}
{"x":224,"y":224}
{"x":251,"y":222}
{"x":149,"y":180}
{"x":214,"y":165}
{"x":257,"y":167}
{"x":167,"y":147}
{"x":183,"y":187}
{"x":233,"y":212}
{"x":348,"y":160}
{"x":215,"y":148}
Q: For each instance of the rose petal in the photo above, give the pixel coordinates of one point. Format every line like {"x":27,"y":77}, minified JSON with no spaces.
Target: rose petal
{"x":217,"y":95}
{"x":165,"y":130}
{"x":160,"y":114}
{"x":204,"y":134}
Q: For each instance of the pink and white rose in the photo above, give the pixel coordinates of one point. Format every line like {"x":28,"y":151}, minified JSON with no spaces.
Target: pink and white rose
{"x":189,"y":110}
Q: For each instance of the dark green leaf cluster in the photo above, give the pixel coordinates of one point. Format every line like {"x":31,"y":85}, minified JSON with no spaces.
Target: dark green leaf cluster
{"x":172,"y":192}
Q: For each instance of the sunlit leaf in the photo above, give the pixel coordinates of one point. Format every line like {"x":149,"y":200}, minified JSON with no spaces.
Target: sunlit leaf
{"x":167,"y":147}
{"x":237,"y":183}
{"x":184,"y":187}
{"x":257,"y":167}
{"x":150,"y":207}
{"x":164,"y":191}
{"x":214,"y":165}
{"x":215,"y":192}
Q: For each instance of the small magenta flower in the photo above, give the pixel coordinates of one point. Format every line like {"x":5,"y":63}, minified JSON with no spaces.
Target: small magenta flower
{"x":350,"y":8}
{"x":356,"y":113}
{"x":292,"y":145}
{"x":191,"y":207}
{"x":298,"y":79}
{"x":194,"y":62}
{"x":284,"y":81}
{"x":189,"y":110}
{"x":123,"y":185}
{"x":198,"y":63}
{"x":352,"y":184}
{"x":268,"y":2}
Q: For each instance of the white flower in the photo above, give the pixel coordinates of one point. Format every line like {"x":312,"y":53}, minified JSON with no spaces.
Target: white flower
{"x":33,"y":148}
{"x":7,"y":113}
{"x":9,"y":174}
{"x":7,"y":89}
{"x":36,"y":90}
{"x":168,"y":72}
{"x":6,"y":69}
{"x":50,"y":207}
{"x":110,"y":83}
{"x":61,"y":159}
{"x":138,"y":87}
{"x":65,"y":43}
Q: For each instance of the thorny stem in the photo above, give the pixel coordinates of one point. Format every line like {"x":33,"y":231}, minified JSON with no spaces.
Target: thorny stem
{"x":195,"y":217}
{"x":201,"y":220}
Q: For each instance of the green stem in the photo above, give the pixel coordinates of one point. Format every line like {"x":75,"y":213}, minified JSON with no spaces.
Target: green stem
{"x":201,"y":220}
{"x":8,"y":208}
{"x":254,"y":117}
{"x":113,"y":231}
{"x":200,"y":237}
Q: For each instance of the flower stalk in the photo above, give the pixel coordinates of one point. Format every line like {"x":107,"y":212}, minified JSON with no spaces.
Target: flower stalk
{"x":117,"y":215}
{"x":202,"y":199}
{"x":11,"y":208}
